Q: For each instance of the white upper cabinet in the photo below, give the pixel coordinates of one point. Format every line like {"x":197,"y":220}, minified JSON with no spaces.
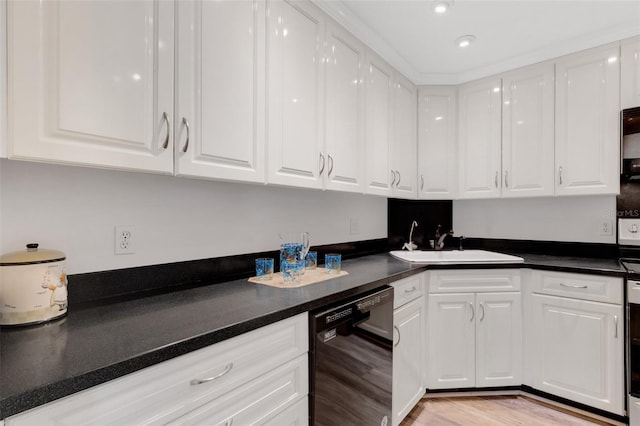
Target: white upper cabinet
{"x":479,"y":138}
{"x":343,"y":152}
{"x":630,"y":73}
{"x":91,"y":83}
{"x":528,"y":132}
{"x":437,"y":144}
{"x":379,"y":125}
{"x":295,"y":70}
{"x":587,"y":142}
{"x":405,"y":140}
{"x":219,"y":127}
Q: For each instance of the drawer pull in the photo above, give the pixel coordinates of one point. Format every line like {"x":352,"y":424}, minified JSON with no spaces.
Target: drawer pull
{"x":473,"y":312}
{"x":572,"y":286}
{"x":411,"y":290}
{"x":165,"y":117}
{"x":615,"y":322}
{"x":186,"y":143}
{"x":227,"y":368}
{"x":482,"y":317}
{"x":398,"y":342}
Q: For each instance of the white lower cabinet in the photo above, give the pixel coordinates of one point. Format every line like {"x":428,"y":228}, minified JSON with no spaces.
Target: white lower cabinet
{"x":576,"y":348}
{"x":409,"y":344}
{"x":474,"y":333}
{"x":252,"y":378}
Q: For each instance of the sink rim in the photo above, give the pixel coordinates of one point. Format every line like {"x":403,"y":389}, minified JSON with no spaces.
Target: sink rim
{"x":498,"y":258}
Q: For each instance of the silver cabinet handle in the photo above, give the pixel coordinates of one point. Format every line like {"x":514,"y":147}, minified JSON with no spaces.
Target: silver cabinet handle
{"x":393,"y":181}
{"x":399,"y":177}
{"x":482,"y":317}
{"x":506,"y":178}
{"x":615,"y":322}
{"x":421,"y":182}
{"x":165,"y":117}
{"x":186,"y":143}
{"x":411,"y":290}
{"x":573,"y":286}
{"x":330,"y":165}
{"x":560,"y":176}
{"x":398,"y":330}
{"x":473,"y":312}
{"x":496,"y":179}
{"x":322,"y":162}
{"x":227,"y":368}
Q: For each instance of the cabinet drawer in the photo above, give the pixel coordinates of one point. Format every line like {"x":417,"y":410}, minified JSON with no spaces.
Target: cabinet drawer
{"x":163,"y":392}
{"x":257,"y":401}
{"x":474,"y":280}
{"x":598,"y":288}
{"x":407,"y":289}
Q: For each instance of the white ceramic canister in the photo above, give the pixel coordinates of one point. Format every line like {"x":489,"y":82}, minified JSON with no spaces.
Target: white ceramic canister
{"x":33,"y":286}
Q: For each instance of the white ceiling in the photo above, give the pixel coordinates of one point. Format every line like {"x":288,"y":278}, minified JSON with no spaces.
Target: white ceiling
{"x":509,"y":33}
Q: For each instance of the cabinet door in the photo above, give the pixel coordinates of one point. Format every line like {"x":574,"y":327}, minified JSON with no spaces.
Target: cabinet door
{"x":630,"y":73}
{"x":220,"y":95}
{"x":479,"y":129}
{"x":578,"y":351}
{"x":378,"y":128}
{"x":91,"y":83}
{"x":295,"y":37}
{"x":528,"y":132}
{"x":405,"y":139}
{"x":344,"y":109}
{"x":408,"y":358}
{"x":437,"y":144}
{"x":588,"y":122}
{"x":498,"y":339}
{"x":451,"y":337}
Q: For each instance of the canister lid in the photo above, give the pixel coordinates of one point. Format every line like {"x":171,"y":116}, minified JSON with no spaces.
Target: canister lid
{"x":31,"y":255}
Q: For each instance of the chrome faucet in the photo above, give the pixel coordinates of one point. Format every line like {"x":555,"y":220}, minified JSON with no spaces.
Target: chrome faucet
{"x":410,"y":246}
{"x":439,"y":238}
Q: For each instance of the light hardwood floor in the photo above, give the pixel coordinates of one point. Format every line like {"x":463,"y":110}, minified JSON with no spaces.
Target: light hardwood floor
{"x":492,"y":411}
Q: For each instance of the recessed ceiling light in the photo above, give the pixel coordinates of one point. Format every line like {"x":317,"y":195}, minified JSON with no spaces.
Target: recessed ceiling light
{"x":465,"y":40}
{"x":442,"y":6}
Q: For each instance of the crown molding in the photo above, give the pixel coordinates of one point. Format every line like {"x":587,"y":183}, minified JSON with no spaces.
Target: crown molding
{"x":337,"y":10}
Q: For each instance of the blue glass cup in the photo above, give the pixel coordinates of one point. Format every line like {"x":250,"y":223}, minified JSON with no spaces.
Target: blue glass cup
{"x":292,"y":271}
{"x":264,"y":269}
{"x":312,"y":260}
{"x":333,"y":263}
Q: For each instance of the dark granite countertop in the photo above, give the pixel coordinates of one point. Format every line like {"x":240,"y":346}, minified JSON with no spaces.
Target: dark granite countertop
{"x":92,"y":345}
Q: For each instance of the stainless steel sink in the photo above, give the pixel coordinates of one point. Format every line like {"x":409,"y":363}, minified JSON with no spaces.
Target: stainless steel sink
{"x":455,"y":257}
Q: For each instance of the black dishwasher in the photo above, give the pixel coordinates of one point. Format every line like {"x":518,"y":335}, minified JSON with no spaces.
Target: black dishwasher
{"x":351,"y":361}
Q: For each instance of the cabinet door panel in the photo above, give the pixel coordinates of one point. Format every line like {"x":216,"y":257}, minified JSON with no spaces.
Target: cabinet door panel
{"x":630,"y":73}
{"x":408,"y":358}
{"x":498,"y":339}
{"x":405,"y":142}
{"x":479,"y":130}
{"x":588,"y":122}
{"x":437,"y":150}
{"x":579,"y":351}
{"x":451,"y":337}
{"x":378,"y":126}
{"x":295,"y":72}
{"x":91,"y":83}
{"x":220,"y":92}
{"x":344,"y":134}
{"x":527,"y":132}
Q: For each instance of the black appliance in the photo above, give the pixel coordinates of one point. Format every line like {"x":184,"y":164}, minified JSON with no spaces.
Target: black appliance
{"x":351,"y":362}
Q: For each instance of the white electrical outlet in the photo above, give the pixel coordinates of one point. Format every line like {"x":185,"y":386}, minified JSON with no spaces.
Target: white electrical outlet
{"x":606,"y":228}
{"x":354,"y":227}
{"x":124,"y":240}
